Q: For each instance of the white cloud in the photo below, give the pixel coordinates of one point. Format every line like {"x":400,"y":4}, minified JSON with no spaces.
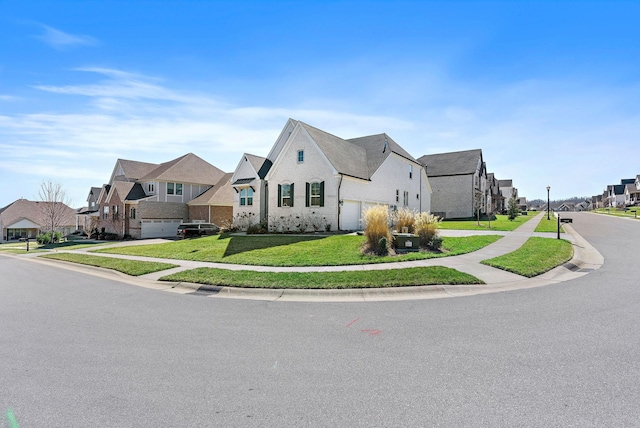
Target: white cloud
{"x":60,"y":40}
{"x":537,"y":133}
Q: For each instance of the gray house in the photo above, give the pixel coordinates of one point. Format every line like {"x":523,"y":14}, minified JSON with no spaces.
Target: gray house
{"x":458,"y":181}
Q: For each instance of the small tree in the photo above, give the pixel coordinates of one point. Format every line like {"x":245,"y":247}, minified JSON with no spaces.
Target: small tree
{"x":513,"y":210}
{"x":55,"y":205}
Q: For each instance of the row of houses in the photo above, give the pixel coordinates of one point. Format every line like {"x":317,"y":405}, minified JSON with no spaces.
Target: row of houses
{"x":309,"y":180}
{"x":625,"y":194}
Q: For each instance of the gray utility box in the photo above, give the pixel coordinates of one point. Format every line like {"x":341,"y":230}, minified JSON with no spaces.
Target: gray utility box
{"x":406,"y":242}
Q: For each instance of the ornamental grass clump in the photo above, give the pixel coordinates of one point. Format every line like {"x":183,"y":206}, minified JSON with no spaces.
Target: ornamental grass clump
{"x":376,"y":226}
{"x":426,"y":227}
{"x":404,"y":217}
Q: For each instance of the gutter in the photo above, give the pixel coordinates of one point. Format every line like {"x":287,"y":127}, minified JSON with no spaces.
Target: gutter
{"x":339,"y":186}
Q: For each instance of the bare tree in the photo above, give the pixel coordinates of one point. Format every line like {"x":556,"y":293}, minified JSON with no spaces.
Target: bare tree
{"x":55,"y":205}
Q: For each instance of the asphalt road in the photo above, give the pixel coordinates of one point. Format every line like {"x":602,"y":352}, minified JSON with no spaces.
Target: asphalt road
{"x":81,"y":351}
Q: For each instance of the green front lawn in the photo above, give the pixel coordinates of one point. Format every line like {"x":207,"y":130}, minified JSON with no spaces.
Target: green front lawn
{"x":535,"y":257}
{"x":501,"y":223}
{"x":325,"y":280}
{"x":630,"y":213}
{"x":130,"y":267}
{"x":289,"y":250}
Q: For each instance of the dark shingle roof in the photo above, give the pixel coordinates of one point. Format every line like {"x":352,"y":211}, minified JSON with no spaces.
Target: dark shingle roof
{"x":453,"y":163}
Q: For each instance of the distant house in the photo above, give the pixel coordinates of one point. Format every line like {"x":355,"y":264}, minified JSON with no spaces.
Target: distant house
{"x":496,"y":202}
{"x":507,"y":190}
{"x":87,"y":217}
{"x":632,"y":192}
{"x":312,"y":179}
{"x":596,"y":201}
{"x":583,"y":206}
{"x":145,"y":200}
{"x":27,"y":219}
{"x":566,"y":206}
{"x":458,"y":182}
{"x":615,"y":195}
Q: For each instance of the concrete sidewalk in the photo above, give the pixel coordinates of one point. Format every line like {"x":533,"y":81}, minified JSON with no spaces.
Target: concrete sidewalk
{"x":585,"y":259}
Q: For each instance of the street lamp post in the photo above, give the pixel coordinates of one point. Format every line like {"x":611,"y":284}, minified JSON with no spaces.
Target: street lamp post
{"x":548,"y":188}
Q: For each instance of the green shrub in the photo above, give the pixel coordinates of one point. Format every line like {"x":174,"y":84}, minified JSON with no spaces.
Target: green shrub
{"x":376,"y":221}
{"x":383,"y":247}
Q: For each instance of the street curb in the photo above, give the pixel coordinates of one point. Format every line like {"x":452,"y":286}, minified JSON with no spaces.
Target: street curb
{"x":585,"y":260}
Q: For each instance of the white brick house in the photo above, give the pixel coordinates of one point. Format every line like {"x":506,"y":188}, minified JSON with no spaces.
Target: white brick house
{"x":311,"y":173}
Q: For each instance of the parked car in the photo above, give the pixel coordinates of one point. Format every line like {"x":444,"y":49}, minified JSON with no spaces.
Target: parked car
{"x":190,"y":230}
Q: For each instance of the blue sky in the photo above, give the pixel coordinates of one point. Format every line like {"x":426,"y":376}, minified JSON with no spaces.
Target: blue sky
{"x":548,"y":90}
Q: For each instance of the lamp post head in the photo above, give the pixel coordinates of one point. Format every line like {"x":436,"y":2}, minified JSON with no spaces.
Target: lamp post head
{"x":548,"y":188}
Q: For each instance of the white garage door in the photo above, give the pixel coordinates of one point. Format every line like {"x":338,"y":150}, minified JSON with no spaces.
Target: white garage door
{"x":159,"y":228}
{"x":350,"y":215}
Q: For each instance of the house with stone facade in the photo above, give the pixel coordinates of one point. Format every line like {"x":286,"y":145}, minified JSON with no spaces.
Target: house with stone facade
{"x":458,"y":181}
{"x":146,"y":200}
{"x":313,"y":180}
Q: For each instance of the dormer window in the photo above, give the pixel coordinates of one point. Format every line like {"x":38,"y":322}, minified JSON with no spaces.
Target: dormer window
{"x":300,"y":156}
{"x":151,"y":187}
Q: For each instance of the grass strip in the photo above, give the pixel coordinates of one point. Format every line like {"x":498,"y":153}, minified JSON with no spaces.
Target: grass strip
{"x":130,"y":267}
{"x":550,"y":225}
{"x":325,"y":280}
{"x":501,"y":223}
{"x":289,"y":250}
{"x":535,"y":257}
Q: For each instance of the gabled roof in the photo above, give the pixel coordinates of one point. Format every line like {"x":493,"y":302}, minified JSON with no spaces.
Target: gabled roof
{"x":185,"y":169}
{"x":259,"y":164}
{"x":631,"y":188}
{"x":134,"y":170}
{"x":345,"y":157}
{"x":453,"y":163}
{"x":378,"y":148}
{"x":356,"y":157}
{"x":95,"y":191}
{"x":505,"y":183}
{"x":220,"y":194}
{"x":33,"y":211}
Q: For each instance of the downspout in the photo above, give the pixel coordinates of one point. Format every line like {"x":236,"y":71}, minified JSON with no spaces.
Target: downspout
{"x":339,"y":186}
{"x":124,"y":218}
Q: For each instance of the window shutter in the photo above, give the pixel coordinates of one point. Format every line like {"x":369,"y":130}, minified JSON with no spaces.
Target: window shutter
{"x":307,"y":195}
{"x":292,"y":194}
{"x":279,"y":195}
{"x":322,"y":193}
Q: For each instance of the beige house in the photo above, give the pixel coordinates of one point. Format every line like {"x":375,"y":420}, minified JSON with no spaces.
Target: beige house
{"x":26,"y":219}
{"x":145,"y":200}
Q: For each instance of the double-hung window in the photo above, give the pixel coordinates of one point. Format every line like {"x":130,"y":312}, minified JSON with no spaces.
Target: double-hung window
{"x":315,"y":194}
{"x":406,"y":198}
{"x":300,"y":156}
{"x":246,"y":196}
{"x":285,"y":195}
